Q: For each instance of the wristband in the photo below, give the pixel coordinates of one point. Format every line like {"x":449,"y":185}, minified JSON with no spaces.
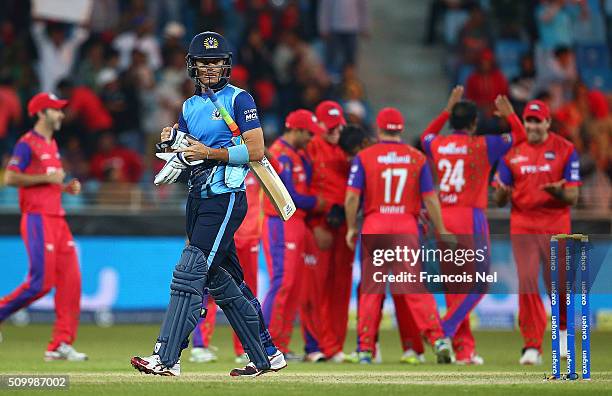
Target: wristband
{"x":238,"y":155}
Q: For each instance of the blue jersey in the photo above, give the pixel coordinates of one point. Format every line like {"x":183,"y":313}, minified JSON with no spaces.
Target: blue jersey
{"x":201,"y":119}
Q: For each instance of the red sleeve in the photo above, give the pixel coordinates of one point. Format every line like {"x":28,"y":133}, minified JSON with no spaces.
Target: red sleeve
{"x":517,"y":129}
{"x":436,"y":125}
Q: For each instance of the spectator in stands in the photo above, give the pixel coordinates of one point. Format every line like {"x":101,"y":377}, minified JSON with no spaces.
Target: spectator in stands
{"x":340,"y":24}
{"x":10,"y":113}
{"x":121,"y":100}
{"x":126,"y":164}
{"x":475,"y":36}
{"x":85,"y":110}
{"x":522,"y":87}
{"x":56,"y":51}
{"x":104,"y":16}
{"x":173,"y":36}
{"x":88,"y":69}
{"x":559,"y":76}
{"x":555,"y":19}
{"x":483,"y":86}
{"x":74,"y":160}
{"x":256,"y":56}
{"x":141,"y":39}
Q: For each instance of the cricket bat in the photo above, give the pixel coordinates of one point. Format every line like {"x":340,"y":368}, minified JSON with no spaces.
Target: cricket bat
{"x":267,"y":177}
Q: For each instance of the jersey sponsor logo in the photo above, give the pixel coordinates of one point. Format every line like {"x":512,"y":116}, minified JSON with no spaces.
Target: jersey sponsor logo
{"x":448,"y":198}
{"x":310,"y":259}
{"x":575,"y":164}
{"x":50,"y":247}
{"x":250,"y":115}
{"x":290,"y":245}
{"x":393,"y":158}
{"x":216,"y":116}
{"x":549,"y":155}
{"x":452,"y":149}
{"x":574,"y":175}
{"x":519,"y":158}
{"x":429,"y":137}
{"x":530,"y":169}
{"x":45,"y":156}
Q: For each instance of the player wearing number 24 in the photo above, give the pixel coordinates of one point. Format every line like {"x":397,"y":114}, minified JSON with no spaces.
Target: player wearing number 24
{"x":463,"y":162}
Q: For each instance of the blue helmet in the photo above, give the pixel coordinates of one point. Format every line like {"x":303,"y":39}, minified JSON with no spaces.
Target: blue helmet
{"x":209,"y":45}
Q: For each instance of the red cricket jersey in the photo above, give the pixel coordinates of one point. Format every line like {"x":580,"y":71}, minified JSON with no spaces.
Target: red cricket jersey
{"x":463,"y":162}
{"x":526,"y":168}
{"x":33,"y":155}
{"x":251,"y":225}
{"x":296,"y":173}
{"x":330,"y":170}
{"x":391,"y":177}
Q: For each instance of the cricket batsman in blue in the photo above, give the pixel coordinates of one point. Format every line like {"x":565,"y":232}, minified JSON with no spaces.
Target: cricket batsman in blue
{"x":201,"y":145}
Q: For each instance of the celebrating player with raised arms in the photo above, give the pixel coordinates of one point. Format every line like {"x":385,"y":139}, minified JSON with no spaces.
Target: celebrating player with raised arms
{"x":393,"y":180}
{"x":541,"y":177}
{"x":463,"y":162}
{"x":202,"y":145}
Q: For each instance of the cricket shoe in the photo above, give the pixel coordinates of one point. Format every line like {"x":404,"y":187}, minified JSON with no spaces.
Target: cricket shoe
{"x":563,"y":344}
{"x":314,"y":357}
{"x":531,"y":357}
{"x":65,"y":352}
{"x":153,"y":365}
{"x":377,"y":353}
{"x":203,"y":355}
{"x":411,"y":357}
{"x":337,"y":357}
{"x":473,"y":360}
{"x":353,"y":357}
{"x":365,"y":357}
{"x":242,"y":359}
{"x":443,"y":350}
{"x":277,"y":363}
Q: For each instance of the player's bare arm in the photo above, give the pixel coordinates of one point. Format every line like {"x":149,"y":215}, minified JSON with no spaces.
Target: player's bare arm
{"x":351,"y":206}
{"x":253,"y":139}
{"x":566,"y":194}
{"x":16,"y":179}
{"x":455,"y":96}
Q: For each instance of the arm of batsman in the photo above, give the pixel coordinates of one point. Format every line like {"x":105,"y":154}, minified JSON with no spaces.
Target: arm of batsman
{"x":175,"y":165}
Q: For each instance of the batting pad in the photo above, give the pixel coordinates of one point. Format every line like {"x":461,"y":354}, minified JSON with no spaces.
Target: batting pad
{"x":186,"y":291}
{"x":241,"y":315}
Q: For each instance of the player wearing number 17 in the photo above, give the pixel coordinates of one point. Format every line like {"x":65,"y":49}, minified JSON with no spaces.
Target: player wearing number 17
{"x":394,"y":181}
{"x":463,"y":162}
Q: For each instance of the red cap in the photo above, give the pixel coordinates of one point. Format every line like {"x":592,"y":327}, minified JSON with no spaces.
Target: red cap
{"x":330,"y":114}
{"x":536,"y":109}
{"x":303,"y":119}
{"x":45,"y":100}
{"x":390,"y":119}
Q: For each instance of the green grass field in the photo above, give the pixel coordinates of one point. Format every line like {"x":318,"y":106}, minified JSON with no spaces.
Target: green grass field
{"x":109,"y":372}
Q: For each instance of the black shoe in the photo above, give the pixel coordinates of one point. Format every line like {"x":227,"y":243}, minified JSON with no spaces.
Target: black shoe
{"x":248,"y":371}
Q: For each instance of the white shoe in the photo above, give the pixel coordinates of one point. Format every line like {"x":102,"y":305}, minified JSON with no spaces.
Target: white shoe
{"x":411,"y":357}
{"x":563,"y":343}
{"x":203,"y":355}
{"x":314,"y":357}
{"x":242,"y":359}
{"x":153,"y":365}
{"x":65,"y":352}
{"x":475,"y":360}
{"x":277,"y":361}
{"x":531,"y":357}
{"x":377,"y":354}
{"x":337,"y":358}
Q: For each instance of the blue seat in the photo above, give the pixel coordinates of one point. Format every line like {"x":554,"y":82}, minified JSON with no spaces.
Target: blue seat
{"x":592,"y":56}
{"x":508,"y":54}
{"x":600,"y":79}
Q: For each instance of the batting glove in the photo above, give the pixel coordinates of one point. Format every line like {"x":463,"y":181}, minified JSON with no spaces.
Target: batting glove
{"x":177,"y":140}
{"x":175,"y":165}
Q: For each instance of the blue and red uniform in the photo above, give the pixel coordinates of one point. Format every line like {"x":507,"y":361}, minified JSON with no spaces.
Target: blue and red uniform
{"x":391,"y":178}
{"x":284,"y":243}
{"x":334,"y":269}
{"x":463,"y":163}
{"x":48,"y":240}
{"x":535,"y":216}
{"x":247,"y":248}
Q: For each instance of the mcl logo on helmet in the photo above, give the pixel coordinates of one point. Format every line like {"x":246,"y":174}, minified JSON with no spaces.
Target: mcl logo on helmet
{"x":211,"y":43}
